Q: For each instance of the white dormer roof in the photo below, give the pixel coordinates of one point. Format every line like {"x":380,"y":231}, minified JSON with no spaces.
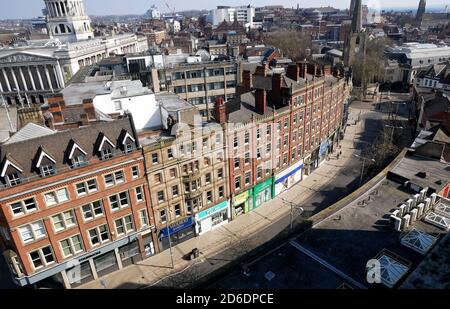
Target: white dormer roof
{"x":105,"y":139}
{"x":7,"y":164}
{"x":41,"y":156}
{"x":72,"y":151}
{"x":128,"y":135}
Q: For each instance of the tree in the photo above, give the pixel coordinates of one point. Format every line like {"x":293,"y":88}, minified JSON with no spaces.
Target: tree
{"x":293,"y":44}
{"x":368,"y":65}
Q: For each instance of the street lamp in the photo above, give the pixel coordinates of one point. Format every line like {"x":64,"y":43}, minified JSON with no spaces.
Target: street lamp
{"x":392,"y":132}
{"x":293,"y":208}
{"x":362,"y":169}
{"x":168,"y":236}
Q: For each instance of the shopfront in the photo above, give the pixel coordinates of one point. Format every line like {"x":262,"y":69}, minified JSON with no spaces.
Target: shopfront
{"x":288,"y":177}
{"x":213,"y":217}
{"x":324,"y":150}
{"x":129,"y":254}
{"x":179,"y":232}
{"x":242,"y":202}
{"x":262,"y":192}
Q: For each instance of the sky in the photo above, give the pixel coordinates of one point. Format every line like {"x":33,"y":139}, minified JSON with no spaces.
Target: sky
{"x":32,"y":8}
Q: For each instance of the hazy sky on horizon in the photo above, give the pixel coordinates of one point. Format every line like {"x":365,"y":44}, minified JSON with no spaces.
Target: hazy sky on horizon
{"x":32,"y":8}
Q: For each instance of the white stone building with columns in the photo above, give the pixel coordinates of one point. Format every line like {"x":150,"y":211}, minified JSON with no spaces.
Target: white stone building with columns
{"x":29,"y":73}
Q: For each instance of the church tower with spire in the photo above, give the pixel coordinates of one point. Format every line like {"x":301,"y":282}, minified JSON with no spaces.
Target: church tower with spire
{"x":68,"y":21}
{"x":355,"y":39}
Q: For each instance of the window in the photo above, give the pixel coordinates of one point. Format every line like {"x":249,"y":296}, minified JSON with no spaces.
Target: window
{"x":63,"y":220}
{"x":86,"y":187}
{"x":221,"y":192}
{"x":247,"y":179}
{"x":259,"y":172}
{"x":218,"y":139}
{"x":258,"y":134}
{"x":207,"y":161}
{"x":268,"y":149}
{"x":118,"y":201}
{"x":48,"y":170}
{"x":247,"y":138}
{"x":177,"y":210}
{"x":163,"y":215}
{"x":114,"y":178}
{"x":79,"y":161}
{"x":236,"y":142}
{"x":160,"y":195}
{"x":71,"y":245}
{"x":135,"y":171}
{"x":33,"y":231}
{"x":173,"y":173}
{"x":107,"y":153}
{"x":294,"y":120}
{"x":158,"y":178}
{"x":205,"y":142}
{"x":129,"y":147}
{"x":209,"y":197}
{"x":155,"y":158}
{"x":139,"y":194}
{"x":208,"y":178}
{"x":98,"y":235}
{"x":285,"y":140}
{"x":143,"y":217}
{"x":236,"y":163}
{"x":220,"y":173}
{"x":258,"y":153}
{"x":278,"y":126}
{"x":170,"y":154}
{"x":56,"y":197}
{"x":268,"y":130}
{"x":237,"y":182}
{"x":268,"y":167}
{"x":286,"y":122}
{"x":23,"y":207}
{"x":117,"y":105}
{"x":92,"y":210}
{"x":124,"y":225}
{"x":42,"y":257}
{"x":14,"y":179}
{"x":247,"y":158}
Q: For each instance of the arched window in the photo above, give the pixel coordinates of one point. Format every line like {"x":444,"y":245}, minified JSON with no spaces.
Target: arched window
{"x":69,"y":30}
{"x":56,"y":30}
{"x":62,"y":28}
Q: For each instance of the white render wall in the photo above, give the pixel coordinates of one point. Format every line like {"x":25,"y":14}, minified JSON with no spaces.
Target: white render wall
{"x":144,"y":109}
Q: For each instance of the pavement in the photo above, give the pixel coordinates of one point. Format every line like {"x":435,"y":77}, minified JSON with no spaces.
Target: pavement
{"x":333,"y":180}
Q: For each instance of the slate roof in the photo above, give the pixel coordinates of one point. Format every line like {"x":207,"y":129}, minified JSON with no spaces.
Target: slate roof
{"x":58,"y":145}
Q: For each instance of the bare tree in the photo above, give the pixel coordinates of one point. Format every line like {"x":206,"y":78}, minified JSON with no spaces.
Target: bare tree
{"x":369,"y":62}
{"x":293,"y":44}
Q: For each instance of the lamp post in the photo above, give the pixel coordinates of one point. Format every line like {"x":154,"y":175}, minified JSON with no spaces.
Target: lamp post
{"x":291,"y":224}
{"x":168,"y":236}
{"x":363,"y":165}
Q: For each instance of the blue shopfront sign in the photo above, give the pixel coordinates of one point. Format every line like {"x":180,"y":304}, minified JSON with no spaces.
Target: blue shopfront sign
{"x":280,"y":179}
{"x":324,"y":147}
{"x":212,"y":210}
{"x":175,"y":228}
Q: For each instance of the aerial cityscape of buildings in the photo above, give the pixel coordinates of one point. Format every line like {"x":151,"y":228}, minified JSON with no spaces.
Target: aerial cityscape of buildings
{"x":292,"y":146}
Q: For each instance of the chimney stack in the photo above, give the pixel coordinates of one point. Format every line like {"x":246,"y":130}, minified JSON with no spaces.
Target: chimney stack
{"x":277,"y":80}
{"x":55,"y":104}
{"x":293,"y":72}
{"x":261,"y":101}
{"x":220,"y":111}
{"x":303,"y":65}
{"x":262,"y":70}
{"x":84,"y":119}
{"x":247,"y":80}
{"x":88,"y":106}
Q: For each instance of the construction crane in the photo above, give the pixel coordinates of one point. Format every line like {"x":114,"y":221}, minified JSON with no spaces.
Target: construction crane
{"x":174,"y":15}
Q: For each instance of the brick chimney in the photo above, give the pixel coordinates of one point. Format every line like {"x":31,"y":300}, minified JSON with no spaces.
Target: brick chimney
{"x":303,"y":65}
{"x":277,"y":80}
{"x":220,"y":111}
{"x":262,"y":70}
{"x":247,"y":80}
{"x":293,"y":71}
{"x":56,"y":109}
{"x":84,"y":119}
{"x":261,"y":101}
{"x":88,"y":106}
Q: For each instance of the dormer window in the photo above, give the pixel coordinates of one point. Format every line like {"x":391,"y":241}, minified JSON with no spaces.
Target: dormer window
{"x":14,"y":179}
{"x":77,"y":156}
{"x":11,"y":172}
{"x":45,"y":163}
{"x":106,"y":147}
{"x":128,"y":142}
{"x":48,"y":170}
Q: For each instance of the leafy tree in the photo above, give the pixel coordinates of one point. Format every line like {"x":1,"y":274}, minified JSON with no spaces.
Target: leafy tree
{"x":293,"y":44}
